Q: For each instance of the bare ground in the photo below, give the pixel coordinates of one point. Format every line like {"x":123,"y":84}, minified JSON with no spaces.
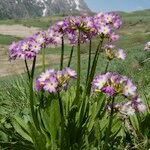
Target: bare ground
{"x":18,"y":30}
{"x":18,"y":66}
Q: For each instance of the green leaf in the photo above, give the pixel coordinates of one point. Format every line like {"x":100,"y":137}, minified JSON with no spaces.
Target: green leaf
{"x":135,"y":122}
{"x":92,"y":117}
{"x":38,"y":138}
{"x":20,"y":130}
{"x":51,"y":118}
{"x":95,"y":111}
{"x":22,"y":123}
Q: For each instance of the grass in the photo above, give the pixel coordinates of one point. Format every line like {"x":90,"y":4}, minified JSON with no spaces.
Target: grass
{"x":42,"y":23}
{"x":133,"y":35}
{"x":8,"y":39}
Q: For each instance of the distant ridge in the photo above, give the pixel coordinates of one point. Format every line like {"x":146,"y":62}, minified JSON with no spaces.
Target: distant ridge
{"x":11,"y":9}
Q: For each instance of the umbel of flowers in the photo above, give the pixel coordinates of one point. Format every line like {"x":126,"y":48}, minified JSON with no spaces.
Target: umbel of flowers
{"x":28,"y":48}
{"x":102,"y":24}
{"x":54,"y":81}
{"x":113,"y":85}
{"x":49,"y":85}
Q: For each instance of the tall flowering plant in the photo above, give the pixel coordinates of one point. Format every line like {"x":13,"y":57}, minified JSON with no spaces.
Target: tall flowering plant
{"x":65,"y":117}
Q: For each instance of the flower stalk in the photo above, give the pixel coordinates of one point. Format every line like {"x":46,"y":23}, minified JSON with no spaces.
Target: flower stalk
{"x":43,"y":59}
{"x":70,"y":58}
{"x":108,"y":130}
{"x":89,"y":61}
{"x":27,"y":68}
{"x":78,"y":67}
{"x":62,"y":120}
{"x":32,"y":95}
{"x":62,"y":53}
{"x":107,"y":65}
{"x":93,"y":69}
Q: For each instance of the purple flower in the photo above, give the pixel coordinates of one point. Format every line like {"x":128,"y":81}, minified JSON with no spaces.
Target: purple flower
{"x":104,"y":30}
{"x":99,"y":82}
{"x":112,"y":83}
{"x":53,"y":81}
{"x":46,"y":75}
{"x":108,"y":17}
{"x":108,"y":90}
{"x":133,"y":106}
{"x":101,"y":24}
{"x":41,"y":39}
{"x":50,"y":85}
{"x":70,"y":72}
{"x":109,"y":46}
{"x":113,"y":37}
{"x":25,"y":46}
{"x":35,"y":47}
{"x":138,"y":105}
{"x":25,"y":49}
{"x":54,"y":37}
{"x":27,"y":54}
{"x":106,"y":23}
{"x":38,"y":85}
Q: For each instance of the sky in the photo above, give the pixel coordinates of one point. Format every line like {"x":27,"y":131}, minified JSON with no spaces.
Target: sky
{"x":122,"y":5}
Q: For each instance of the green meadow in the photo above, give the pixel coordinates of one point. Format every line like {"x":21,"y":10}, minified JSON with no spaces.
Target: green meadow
{"x":134,"y":33}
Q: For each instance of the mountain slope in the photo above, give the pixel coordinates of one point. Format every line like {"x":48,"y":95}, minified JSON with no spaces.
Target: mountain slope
{"x":31,"y":8}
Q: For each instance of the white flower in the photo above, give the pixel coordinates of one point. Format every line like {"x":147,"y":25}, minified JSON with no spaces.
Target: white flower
{"x":147,"y":46}
{"x":100,"y":81}
{"x":104,"y":29}
{"x":45,"y":75}
{"x":130,"y":111}
{"x":25,"y":46}
{"x":120,"y":54}
{"x":141,"y":107}
{"x":129,"y":89}
{"x":127,"y":109}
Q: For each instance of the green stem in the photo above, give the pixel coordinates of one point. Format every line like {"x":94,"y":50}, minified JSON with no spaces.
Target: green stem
{"x":108,"y":130}
{"x":62,"y":54}
{"x":107,"y":65}
{"x":32,"y":95}
{"x":89,"y":61}
{"x":33,"y":68}
{"x":27,"y":68}
{"x":62,"y":120}
{"x":43,"y":59}
{"x":78,"y":67}
{"x":60,"y":105}
{"x":71,"y":54}
{"x":93,"y":69}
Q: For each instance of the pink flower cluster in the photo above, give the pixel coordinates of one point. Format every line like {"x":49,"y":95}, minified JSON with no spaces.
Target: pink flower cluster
{"x":107,"y":23}
{"x":53,"y":81}
{"x":112,"y":84}
{"x":135,"y":105}
{"x":102,"y":24}
{"x":111,"y":54}
{"x":29,"y":47}
{"x":130,"y":107}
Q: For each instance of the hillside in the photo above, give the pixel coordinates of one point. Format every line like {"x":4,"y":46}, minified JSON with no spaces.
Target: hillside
{"x":32,"y":8}
{"x":134,"y":33}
